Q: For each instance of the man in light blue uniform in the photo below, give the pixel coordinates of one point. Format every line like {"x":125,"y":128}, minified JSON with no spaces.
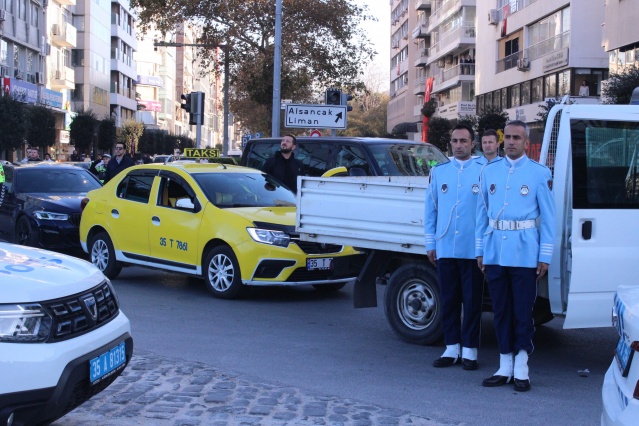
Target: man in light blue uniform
{"x":490,"y":145}
{"x":514,"y":244}
{"x":451,"y":200}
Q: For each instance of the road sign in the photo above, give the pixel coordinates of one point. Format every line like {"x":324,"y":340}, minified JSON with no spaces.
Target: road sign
{"x":315,"y":116}
{"x":316,"y":133}
{"x":258,"y":135}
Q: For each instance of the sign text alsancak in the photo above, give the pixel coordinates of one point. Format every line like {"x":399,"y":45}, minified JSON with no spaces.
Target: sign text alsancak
{"x":315,"y":116}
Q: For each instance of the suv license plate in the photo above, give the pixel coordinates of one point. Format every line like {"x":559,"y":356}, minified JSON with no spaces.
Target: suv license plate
{"x":107,"y":362}
{"x":319,"y":264}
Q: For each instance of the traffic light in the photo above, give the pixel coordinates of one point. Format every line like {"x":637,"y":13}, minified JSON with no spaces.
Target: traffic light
{"x":333,"y":97}
{"x":187,"y":105}
{"x":345,"y":99}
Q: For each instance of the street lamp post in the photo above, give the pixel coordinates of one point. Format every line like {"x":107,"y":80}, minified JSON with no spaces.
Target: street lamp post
{"x":225,"y":47}
{"x":277,"y":69}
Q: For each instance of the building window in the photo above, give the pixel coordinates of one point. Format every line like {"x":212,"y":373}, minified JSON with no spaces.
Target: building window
{"x":550,"y":86}
{"x":564,"y":83}
{"x":78,"y":93}
{"x":78,"y":22}
{"x":525,"y":93}
{"x":504,"y":98}
{"x":35,"y":11}
{"x":4,"y":53}
{"x":549,"y":34}
{"x":77,"y":57}
{"x":514,"y":96}
{"x":537,"y":93}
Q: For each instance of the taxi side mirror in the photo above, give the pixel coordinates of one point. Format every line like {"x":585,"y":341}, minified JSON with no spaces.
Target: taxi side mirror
{"x":185,"y":203}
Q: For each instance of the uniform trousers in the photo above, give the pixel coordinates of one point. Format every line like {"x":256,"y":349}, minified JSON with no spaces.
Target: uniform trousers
{"x":461,"y":285}
{"x":513,"y":291}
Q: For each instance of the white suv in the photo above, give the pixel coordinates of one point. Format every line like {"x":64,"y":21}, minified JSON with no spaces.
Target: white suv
{"x":63,"y":338}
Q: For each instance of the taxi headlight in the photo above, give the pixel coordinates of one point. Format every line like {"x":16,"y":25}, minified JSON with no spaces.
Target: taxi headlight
{"x":269,"y":236}
{"x":24,"y":323}
{"x":51,"y":216}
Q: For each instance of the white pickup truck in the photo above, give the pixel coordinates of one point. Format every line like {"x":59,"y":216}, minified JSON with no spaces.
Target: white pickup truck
{"x":593,"y":151}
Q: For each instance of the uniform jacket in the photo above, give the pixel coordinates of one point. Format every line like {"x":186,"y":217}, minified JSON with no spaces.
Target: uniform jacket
{"x":451,"y":200}
{"x":515,"y":193}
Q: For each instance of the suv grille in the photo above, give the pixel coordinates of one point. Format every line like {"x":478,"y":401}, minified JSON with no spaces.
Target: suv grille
{"x":74,"y":218}
{"x":81,"y":313}
{"x":310,"y":247}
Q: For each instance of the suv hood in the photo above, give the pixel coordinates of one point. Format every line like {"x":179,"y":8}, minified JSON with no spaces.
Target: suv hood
{"x":32,"y":275}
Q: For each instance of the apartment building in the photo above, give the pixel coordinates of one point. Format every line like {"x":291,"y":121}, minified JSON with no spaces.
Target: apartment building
{"x":531,"y":50}
{"x":122,"y":92}
{"x":620,"y":37}
{"x":432,"y":56}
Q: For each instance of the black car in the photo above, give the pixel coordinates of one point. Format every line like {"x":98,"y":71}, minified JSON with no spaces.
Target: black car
{"x":363,"y":156}
{"x":40,"y":204}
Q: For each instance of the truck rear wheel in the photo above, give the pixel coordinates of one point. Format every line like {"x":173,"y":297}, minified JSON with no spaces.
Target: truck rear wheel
{"x":412,"y":304}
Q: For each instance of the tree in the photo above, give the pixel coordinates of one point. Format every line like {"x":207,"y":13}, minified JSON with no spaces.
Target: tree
{"x":323,"y":45}
{"x":491,"y":118}
{"x":13,"y":126}
{"x":430,"y":108}
{"x":106,"y":134}
{"x":619,"y":87}
{"x":41,"y":131}
{"x":439,"y":132}
{"x":82,"y":129}
{"x":370,"y":105}
{"x":129,"y":134}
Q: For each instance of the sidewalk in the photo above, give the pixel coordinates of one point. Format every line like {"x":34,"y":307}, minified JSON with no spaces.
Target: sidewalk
{"x":155,"y":390}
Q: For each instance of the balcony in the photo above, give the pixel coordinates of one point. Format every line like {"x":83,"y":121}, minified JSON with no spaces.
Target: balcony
{"x":422,"y":60}
{"x":422,"y":4}
{"x":421,"y":30}
{"x":417,"y":111}
{"x":66,"y":2}
{"x":453,"y":76}
{"x":509,"y":61}
{"x":550,"y":45}
{"x":460,"y":37}
{"x":64,"y":35}
{"x":419,"y":85}
{"x":63,"y":78}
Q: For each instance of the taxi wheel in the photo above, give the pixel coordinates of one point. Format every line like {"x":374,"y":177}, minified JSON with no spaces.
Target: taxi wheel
{"x":24,"y":234}
{"x":103,"y":255}
{"x":222,"y":273}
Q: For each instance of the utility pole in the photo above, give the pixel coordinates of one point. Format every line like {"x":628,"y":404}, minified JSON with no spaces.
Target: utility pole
{"x":277,"y":69}
{"x":225,"y":47}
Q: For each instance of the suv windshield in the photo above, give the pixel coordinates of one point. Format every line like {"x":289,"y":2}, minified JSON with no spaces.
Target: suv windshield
{"x":244,"y":190}
{"x":406,"y":160}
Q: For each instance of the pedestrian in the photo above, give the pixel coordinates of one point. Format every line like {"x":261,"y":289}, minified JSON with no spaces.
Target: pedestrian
{"x":99,"y":166}
{"x":120,"y":162}
{"x":47,"y":158}
{"x":584,"y":90}
{"x":283,"y":165}
{"x":462,"y":64}
{"x":451,"y":203}
{"x":75,"y":156}
{"x":515,"y":240}
{"x":33,"y":155}
{"x":490,"y":145}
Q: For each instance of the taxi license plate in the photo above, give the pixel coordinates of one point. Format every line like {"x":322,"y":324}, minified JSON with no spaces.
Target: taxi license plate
{"x":107,"y":362}
{"x":319,"y":264}
{"x":624,"y":354}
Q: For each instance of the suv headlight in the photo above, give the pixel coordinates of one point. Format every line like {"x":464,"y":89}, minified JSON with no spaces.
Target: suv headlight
{"x":51,"y":216}
{"x":24,"y":323}
{"x":268,"y":236}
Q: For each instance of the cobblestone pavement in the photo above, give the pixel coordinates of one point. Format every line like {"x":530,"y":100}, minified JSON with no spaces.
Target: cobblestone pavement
{"x":156,"y":390}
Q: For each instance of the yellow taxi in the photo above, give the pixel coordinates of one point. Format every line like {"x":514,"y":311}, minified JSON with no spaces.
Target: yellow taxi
{"x":234,"y":226}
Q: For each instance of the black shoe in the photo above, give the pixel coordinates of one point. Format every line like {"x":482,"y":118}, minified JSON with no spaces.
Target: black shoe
{"x":445,"y":361}
{"x":494,"y":381}
{"x":522,"y":385}
{"x":469,"y":364}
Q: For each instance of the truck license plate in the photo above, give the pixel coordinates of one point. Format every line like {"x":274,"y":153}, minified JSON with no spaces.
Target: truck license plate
{"x":319,"y":264}
{"x":107,"y":362}
{"x":624,"y":354}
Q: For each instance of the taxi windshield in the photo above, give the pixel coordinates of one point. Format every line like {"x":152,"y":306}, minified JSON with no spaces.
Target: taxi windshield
{"x":228,"y":190}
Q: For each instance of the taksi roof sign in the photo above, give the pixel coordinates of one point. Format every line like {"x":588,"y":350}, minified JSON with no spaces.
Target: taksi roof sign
{"x":315,"y":116}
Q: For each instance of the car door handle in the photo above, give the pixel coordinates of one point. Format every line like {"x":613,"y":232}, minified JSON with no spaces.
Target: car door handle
{"x":155,"y":220}
{"x":115,"y":213}
{"x":586,"y":230}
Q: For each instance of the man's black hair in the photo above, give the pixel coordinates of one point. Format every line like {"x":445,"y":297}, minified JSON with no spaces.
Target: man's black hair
{"x":464,"y":126}
{"x":292,"y":137}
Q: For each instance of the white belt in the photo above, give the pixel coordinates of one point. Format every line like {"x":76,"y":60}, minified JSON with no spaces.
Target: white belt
{"x":513,"y":225}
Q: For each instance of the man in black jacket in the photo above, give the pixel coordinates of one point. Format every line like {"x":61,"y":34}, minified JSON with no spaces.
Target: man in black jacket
{"x":283,"y":165}
{"x":120,"y":162}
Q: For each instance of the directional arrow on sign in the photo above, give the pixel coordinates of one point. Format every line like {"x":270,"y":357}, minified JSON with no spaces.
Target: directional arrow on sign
{"x":338,"y":117}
